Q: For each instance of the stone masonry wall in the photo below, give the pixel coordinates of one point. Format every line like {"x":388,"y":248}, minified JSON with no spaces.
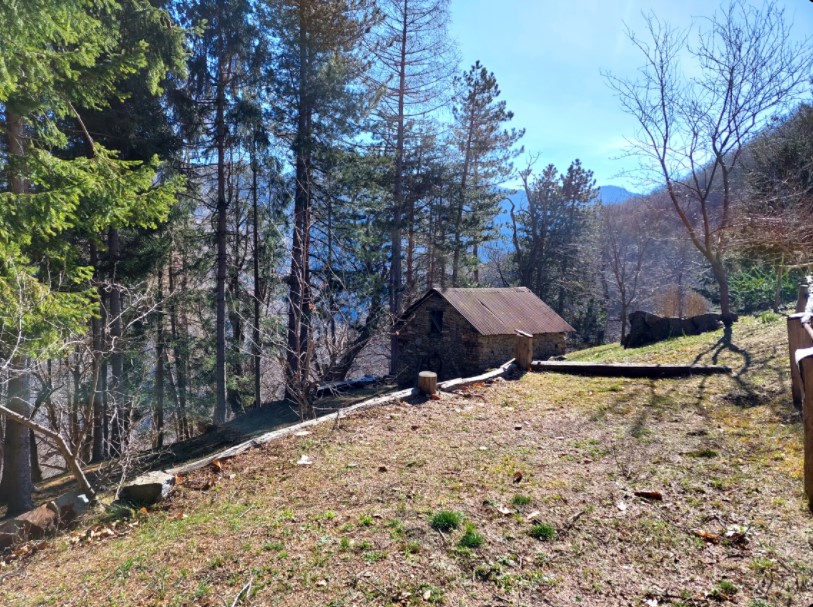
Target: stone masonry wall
{"x":497,"y":349}
{"x":453,"y":353}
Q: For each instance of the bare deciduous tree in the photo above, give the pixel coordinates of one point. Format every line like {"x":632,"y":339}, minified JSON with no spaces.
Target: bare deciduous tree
{"x":693,"y":124}
{"x":625,"y":245}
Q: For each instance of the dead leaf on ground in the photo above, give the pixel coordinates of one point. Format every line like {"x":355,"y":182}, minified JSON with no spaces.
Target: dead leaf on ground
{"x":707,"y":536}
{"x":217,"y":466}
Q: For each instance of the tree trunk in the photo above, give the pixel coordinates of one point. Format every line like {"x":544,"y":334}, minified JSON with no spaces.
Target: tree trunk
{"x":16,"y":485}
{"x":36,"y":471}
{"x":721,"y":277}
{"x":116,"y":393}
{"x":181,"y":360}
{"x":255,"y":337}
{"x":97,"y":447}
{"x":234,"y":395}
{"x":299,"y":298}
{"x":398,"y":197}
{"x":158,"y":411}
{"x":219,"y":416}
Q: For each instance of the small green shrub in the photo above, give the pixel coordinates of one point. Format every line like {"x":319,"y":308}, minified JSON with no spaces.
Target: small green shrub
{"x":543,"y":531}
{"x":373,"y":556}
{"x":471,"y":538}
{"x":446,"y":521}
{"x":723,"y":591}
{"x":412,"y":547}
{"x":366,"y":521}
{"x":520,"y":500}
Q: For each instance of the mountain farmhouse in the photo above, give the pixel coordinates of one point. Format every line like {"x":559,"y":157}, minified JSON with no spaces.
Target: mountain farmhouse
{"x":461,"y":332}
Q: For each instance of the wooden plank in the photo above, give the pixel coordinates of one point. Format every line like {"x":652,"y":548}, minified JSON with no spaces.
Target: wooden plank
{"x":461,"y":381}
{"x":626,"y":369}
{"x":524,"y":350}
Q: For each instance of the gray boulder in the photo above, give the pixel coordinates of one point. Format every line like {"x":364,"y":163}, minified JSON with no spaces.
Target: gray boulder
{"x":148,"y":488}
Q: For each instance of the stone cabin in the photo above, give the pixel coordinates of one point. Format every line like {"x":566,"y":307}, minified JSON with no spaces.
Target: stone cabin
{"x":464,"y":332}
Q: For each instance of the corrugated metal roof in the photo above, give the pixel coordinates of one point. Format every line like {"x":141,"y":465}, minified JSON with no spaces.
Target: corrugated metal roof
{"x":505,"y":311}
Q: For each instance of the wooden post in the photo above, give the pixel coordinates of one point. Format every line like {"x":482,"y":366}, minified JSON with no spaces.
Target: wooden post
{"x":806,"y":366}
{"x":524,"y":350}
{"x":797,"y":338}
{"x":427,"y":382}
{"x":801,"y":299}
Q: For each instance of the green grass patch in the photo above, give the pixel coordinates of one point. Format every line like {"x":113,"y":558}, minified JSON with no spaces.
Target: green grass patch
{"x":471,"y":538}
{"x":543,"y":532}
{"x":445,"y":521}
{"x":519,"y":501}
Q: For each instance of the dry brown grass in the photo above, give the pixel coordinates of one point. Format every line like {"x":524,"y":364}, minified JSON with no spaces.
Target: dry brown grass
{"x":354,"y":527}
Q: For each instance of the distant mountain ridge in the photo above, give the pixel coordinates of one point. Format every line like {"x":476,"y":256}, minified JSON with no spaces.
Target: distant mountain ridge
{"x":613,"y":194}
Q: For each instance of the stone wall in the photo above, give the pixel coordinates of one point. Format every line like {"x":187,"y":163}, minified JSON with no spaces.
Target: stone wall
{"x":453,"y":353}
{"x":496,"y":349}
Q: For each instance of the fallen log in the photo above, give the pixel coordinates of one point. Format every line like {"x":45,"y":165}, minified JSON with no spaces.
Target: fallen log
{"x":627,"y":369}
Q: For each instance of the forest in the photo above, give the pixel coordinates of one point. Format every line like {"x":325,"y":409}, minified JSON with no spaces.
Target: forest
{"x":210,"y":206}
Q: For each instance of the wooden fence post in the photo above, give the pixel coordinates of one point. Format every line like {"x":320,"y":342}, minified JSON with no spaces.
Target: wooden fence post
{"x":427,"y":382}
{"x":798,"y":338}
{"x":524,"y":350}
{"x":806,"y":366}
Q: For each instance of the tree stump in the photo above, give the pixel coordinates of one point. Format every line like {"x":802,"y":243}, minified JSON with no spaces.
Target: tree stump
{"x":427,"y":382}
{"x":524,"y":350}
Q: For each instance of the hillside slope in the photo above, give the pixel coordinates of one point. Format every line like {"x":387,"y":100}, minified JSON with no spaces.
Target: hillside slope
{"x":551,"y":456}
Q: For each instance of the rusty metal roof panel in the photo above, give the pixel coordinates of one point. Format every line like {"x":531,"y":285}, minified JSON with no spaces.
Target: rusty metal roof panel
{"x":505,"y":311}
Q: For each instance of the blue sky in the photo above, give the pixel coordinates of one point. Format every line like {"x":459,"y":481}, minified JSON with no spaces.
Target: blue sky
{"x":548,"y":56}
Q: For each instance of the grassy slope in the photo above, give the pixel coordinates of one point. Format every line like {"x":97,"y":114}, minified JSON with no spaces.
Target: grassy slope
{"x":353,"y":528}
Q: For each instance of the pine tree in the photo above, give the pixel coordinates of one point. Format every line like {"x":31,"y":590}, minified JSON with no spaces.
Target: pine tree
{"x":315,"y":44}
{"x":486,"y":149}
{"x":47,"y":74}
{"x":225,"y":58}
{"x":415,"y":64}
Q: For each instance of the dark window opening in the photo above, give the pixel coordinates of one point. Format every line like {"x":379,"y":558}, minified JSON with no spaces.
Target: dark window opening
{"x":436,"y":322}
